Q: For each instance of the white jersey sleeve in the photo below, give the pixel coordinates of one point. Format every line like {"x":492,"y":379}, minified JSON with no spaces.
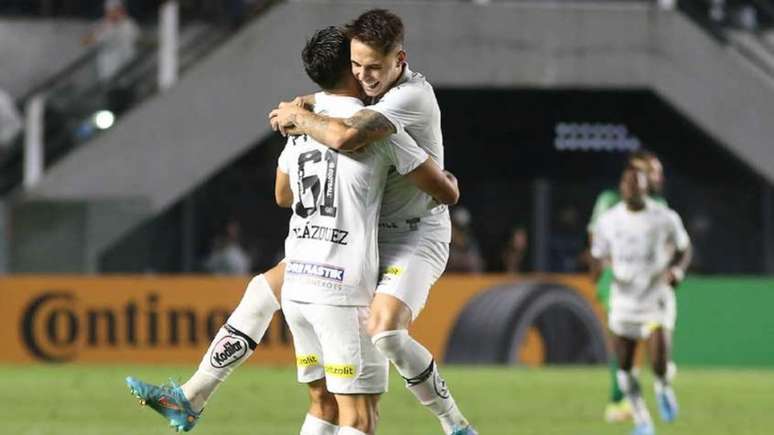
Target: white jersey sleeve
{"x":678,"y":234}
{"x":404,"y":152}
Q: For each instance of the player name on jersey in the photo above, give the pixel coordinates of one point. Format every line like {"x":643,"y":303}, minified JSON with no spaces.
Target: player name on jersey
{"x":325,"y":234}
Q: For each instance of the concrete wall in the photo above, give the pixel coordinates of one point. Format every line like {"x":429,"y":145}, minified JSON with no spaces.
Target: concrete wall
{"x":33,"y":50}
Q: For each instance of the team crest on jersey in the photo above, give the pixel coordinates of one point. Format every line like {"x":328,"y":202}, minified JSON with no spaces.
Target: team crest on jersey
{"x":318,"y":270}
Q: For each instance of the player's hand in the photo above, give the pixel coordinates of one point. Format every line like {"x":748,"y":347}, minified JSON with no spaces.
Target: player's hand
{"x":674,"y":276}
{"x":283,"y":118}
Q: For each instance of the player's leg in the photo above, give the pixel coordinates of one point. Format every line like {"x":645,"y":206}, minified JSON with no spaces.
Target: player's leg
{"x":355,"y":371}
{"x":659,"y":354}
{"x":618,"y":408}
{"x":246,"y":325}
{"x":322,"y":416}
{"x":408,"y":272}
{"x":232,"y":345}
{"x":670,"y":322}
{"x":624,"y":337}
{"x":358,"y":413}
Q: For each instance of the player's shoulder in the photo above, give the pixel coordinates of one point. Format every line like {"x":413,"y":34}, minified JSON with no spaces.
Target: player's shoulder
{"x":612,"y":213}
{"x":412,"y":86}
{"x":608,"y":198}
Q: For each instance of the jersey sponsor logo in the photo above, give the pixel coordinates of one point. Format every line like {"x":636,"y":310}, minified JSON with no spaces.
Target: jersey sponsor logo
{"x":325,"y":234}
{"x":340,"y":370}
{"x":318,"y":270}
{"x":393,"y":271}
{"x":228,"y":350}
{"x":310,"y":360}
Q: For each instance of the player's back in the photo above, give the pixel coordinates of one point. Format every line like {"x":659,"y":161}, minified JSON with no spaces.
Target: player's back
{"x":331,"y":248}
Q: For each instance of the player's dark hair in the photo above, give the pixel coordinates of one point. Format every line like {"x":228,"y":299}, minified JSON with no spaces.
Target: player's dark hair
{"x":379,"y":29}
{"x":326,"y":57}
{"x":642,"y":154}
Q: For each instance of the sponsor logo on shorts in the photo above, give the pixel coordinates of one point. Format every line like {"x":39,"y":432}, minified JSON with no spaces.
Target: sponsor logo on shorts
{"x":307,"y":360}
{"x":340,"y":370}
{"x":227,"y":351}
{"x":318,"y":270}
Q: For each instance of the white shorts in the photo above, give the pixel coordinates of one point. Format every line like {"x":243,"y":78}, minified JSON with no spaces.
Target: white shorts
{"x":332,"y":342}
{"x":409,"y":265}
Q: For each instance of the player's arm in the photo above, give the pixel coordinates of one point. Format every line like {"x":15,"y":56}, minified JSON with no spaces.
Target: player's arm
{"x":342,"y":134}
{"x":282,"y":193}
{"x":431,"y":179}
{"x":679,"y":264}
{"x":681,"y":259}
{"x":600,"y":252}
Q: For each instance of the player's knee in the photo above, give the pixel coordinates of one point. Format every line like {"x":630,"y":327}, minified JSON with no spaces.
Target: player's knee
{"x":390,"y":343}
{"x":387,"y":318}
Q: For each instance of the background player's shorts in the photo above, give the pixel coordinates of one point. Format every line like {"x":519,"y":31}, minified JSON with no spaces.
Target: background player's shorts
{"x":639,"y":329}
{"x":332,"y":342}
{"x":409,"y":264}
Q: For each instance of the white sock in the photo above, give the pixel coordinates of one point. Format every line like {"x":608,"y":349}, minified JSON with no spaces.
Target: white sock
{"x":317,"y":426}
{"x":234,"y":343}
{"x":416,"y":365}
{"x":631,"y":389}
{"x":346,"y":430}
{"x":671,"y":373}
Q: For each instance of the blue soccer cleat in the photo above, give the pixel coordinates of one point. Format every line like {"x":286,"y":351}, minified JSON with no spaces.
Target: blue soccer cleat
{"x":167,"y":400}
{"x":644,"y":429}
{"x":667,"y":405}
{"x":467,"y":430}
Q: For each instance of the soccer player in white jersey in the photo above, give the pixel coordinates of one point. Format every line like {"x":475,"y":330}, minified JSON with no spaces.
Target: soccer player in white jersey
{"x":326,"y":56}
{"x":414,"y":230}
{"x":649,"y":251}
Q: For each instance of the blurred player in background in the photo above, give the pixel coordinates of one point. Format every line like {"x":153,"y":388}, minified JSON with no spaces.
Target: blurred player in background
{"x":236,"y":341}
{"x":414,"y":231}
{"x":618,"y":408}
{"x":649,"y":251}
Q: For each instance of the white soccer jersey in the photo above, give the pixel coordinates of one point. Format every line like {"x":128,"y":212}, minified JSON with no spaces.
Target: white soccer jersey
{"x":331,"y":247}
{"x":411,"y":106}
{"x":640,"y":246}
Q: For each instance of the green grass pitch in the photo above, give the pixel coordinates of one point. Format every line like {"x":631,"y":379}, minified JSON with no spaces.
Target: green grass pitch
{"x":93,"y":400}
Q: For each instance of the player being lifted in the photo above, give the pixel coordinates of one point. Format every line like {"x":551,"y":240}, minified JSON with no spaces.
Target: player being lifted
{"x":414,"y":231}
{"x":326,"y":60}
{"x":649,"y":251}
{"x":618,"y":408}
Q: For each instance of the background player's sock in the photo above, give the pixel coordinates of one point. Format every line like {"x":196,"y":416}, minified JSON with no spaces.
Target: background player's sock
{"x":317,"y":426}
{"x":671,"y":372}
{"x":416,"y":365}
{"x":631,"y":388}
{"x":234,"y":343}
{"x":346,"y":430}
{"x":616,"y":395}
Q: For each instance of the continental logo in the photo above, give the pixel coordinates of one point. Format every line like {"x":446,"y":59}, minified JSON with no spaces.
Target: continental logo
{"x":56,"y":325}
{"x":340,"y":370}
{"x":319,"y":270}
{"x":307,"y":361}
